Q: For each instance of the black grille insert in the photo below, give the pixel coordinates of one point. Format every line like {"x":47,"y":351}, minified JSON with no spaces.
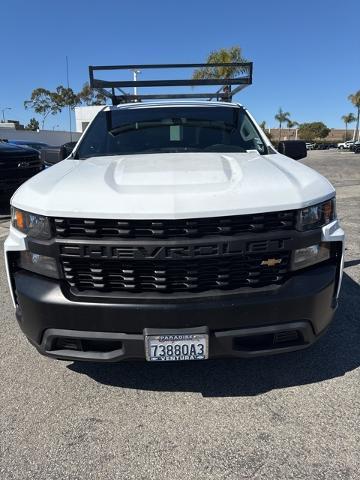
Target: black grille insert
{"x":15,"y":171}
{"x":20,"y":167}
{"x":188,"y":228}
{"x":199,"y":275}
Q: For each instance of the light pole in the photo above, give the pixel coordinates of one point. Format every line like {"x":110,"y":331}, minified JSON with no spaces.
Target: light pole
{"x":3,"y":113}
{"x":135,"y":74}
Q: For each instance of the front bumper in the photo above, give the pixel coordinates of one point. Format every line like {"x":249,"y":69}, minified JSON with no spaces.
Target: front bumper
{"x":289,"y":317}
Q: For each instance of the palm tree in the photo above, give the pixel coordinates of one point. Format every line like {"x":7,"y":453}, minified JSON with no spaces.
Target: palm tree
{"x":355,"y":100}
{"x":293,"y":124}
{"x":282,"y":117}
{"x":224,"y":55}
{"x":349,"y":118}
{"x":262,"y":125}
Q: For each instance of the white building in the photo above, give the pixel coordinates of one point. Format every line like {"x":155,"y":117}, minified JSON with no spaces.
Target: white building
{"x":84,"y":115}
{"x":14,"y":124}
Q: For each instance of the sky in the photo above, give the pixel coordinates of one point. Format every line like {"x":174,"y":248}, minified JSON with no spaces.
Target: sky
{"x":306,"y":54}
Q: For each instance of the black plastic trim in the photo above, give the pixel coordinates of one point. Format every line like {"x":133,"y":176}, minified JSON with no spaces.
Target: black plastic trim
{"x":304,"y":298}
{"x":286,"y":240}
{"x":221,"y":343}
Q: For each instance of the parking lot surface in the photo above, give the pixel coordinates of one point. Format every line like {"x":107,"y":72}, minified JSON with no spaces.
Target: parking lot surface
{"x":290,"y":416}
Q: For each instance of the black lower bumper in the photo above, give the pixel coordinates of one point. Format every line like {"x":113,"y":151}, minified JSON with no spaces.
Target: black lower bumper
{"x":241,"y":324}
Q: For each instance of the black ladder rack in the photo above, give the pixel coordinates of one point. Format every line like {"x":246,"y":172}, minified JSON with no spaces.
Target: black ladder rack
{"x":225,"y":93}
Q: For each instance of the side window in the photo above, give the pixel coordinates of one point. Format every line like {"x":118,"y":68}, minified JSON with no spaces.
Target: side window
{"x":250,"y":136}
{"x":95,"y":140}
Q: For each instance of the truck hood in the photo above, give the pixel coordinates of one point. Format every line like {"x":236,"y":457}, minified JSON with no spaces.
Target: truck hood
{"x":172,"y":185}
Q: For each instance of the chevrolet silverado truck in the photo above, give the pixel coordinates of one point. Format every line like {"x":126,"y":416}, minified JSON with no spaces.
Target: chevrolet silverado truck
{"x":174,"y":231}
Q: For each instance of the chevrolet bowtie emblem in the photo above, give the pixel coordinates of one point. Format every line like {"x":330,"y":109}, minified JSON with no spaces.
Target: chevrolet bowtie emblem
{"x":271,"y":262}
{"x":23,"y":164}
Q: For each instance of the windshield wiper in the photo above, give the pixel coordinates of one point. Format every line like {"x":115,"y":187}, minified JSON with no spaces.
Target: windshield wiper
{"x":223,"y":147}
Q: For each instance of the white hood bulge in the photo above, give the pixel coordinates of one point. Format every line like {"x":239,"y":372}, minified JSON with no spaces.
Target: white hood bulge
{"x":172,"y":185}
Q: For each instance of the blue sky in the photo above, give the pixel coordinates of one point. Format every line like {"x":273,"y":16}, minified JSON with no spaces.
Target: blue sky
{"x":306,"y":54}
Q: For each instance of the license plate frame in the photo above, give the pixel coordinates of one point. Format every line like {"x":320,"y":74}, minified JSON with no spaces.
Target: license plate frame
{"x":185,"y":346}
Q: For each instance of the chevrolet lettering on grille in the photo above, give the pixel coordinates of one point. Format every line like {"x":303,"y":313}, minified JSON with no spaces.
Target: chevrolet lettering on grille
{"x":177,"y":252}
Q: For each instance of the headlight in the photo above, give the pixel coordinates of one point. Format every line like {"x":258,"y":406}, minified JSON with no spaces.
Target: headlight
{"x":317,"y":215}
{"x":38,"y":264}
{"x":36,"y":226}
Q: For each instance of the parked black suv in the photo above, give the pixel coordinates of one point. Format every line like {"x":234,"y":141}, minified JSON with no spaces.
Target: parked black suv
{"x":17,"y":164}
{"x":36,"y":145}
{"x":355,"y":147}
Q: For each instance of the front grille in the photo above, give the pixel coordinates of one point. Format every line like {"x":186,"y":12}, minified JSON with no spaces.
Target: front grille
{"x":188,"y":228}
{"x":19,"y":169}
{"x":196,"y":275}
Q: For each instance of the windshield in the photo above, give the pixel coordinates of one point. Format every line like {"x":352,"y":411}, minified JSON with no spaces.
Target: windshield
{"x":170,"y":129}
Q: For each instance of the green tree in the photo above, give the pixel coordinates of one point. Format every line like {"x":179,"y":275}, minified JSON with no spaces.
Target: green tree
{"x":223,"y":55}
{"x":65,"y":97}
{"x":43,"y":102}
{"x":265,"y":130}
{"x":313,"y":131}
{"x":355,"y":100}
{"x":349,"y":118}
{"x":262,"y":125}
{"x":33,"y":125}
{"x":90,"y":96}
{"x":293,"y":124}
{"x":282,"y":117}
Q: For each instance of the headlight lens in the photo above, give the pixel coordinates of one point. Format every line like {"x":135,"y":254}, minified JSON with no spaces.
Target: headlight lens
{"x":36,"y":226}
{"x":317,"y":215}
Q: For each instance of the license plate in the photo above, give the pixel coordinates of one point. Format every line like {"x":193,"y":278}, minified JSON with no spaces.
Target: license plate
{"x":174,"y":347}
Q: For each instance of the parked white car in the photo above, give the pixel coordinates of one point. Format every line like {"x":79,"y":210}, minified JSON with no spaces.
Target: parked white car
{"x":345,"y":145}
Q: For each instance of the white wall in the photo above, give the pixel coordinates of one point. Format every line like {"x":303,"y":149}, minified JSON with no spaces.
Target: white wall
{"x":84,"y":115}
{"x":52,"y":137}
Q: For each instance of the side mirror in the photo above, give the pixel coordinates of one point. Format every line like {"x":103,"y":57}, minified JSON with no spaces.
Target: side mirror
{"x":295,"y":149}
{"x":52,"y":155}
{"x":68,"y":148}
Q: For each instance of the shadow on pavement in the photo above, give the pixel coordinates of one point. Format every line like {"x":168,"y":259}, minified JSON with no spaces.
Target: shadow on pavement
{"x":352,"y":263}
{"x":335,"y":354}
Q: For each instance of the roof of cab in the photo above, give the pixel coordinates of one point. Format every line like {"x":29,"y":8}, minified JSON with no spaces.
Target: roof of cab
{"x":172,"y":103}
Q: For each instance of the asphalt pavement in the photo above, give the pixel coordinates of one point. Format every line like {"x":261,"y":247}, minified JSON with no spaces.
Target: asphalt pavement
{"x":294,"y":416}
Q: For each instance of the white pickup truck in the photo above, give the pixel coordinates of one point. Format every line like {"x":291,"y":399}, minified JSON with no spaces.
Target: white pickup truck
{"x":174,"y":231}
